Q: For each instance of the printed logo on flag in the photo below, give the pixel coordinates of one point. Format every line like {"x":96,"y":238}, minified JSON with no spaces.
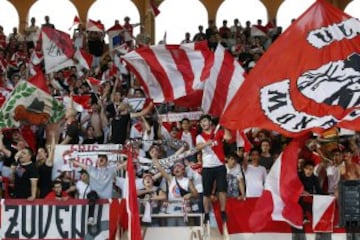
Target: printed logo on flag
{"x":335,"y":83}
{"x":308,"y":80}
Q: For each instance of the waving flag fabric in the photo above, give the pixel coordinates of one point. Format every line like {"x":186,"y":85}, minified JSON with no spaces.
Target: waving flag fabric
{"x":57,"y":49}
{"x":134,"y":228}
{"x":169,"y":72}
{"x":323,"y":213}
{"x":279,"y":200}
{"x":28,"y":103}
{"x":307,"y":80}
{"x":153,"y":8}
{"x":225,"y":79}
{"x":94,"y":26}
{"x":39,"y":81}
{"x":84,"y":59}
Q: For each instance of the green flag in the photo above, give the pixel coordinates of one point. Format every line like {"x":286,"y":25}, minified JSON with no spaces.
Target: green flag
{"x":27,"y":103}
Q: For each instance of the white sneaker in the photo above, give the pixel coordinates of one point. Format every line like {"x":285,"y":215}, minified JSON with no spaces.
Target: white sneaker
{"x":91,"y":221}
{"x":206,"y":231}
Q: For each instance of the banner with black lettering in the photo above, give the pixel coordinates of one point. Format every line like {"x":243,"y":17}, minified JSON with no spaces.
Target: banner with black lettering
{"x":21,"y":219}
{"x":308,"y":80}
{"x":84,"y":153}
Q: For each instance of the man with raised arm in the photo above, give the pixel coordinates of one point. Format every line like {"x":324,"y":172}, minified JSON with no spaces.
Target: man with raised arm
{"x":210,"y":142}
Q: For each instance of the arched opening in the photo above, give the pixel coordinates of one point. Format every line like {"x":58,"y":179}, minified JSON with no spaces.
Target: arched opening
{"x":107,"y":11}
{"x":9,"y":17}
{"x":177,"y":18}
{"x":242,"y":10}
{"x":63,"y":20}
{"x":291,"y":9}
{"x":353,"y":9}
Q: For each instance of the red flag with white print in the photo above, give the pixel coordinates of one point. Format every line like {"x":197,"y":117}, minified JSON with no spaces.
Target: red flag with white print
{"x":306,"y":80}
{"x":169,"y":72}
{"x":323,"y":213}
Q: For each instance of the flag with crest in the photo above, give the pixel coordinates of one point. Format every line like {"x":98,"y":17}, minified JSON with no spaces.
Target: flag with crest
{"x":307,"y":80}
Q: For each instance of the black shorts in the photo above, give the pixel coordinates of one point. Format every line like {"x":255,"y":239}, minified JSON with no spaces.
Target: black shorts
{"x":211,"y":175}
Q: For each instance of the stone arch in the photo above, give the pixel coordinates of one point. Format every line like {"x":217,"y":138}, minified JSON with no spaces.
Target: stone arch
{"x":9,"y":17}
{"x":242,"y":10}
{"x":62,"y":20}
{"x":291,"y":9}
{"x":176,"y":23}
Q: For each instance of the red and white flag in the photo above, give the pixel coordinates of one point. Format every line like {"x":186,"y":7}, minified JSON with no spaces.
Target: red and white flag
{"x":302,"y":82}
{"x":243,"y":141}
{"x":93,"y":81}
{"x":323,"y":213}
{"x":57,"y":49}
{"x":36,"y":58}
{"x":258,"y":31}
{"x":75,"y":22}
{"x":169,"y":72}
{"x":279,"y":200}
{"x":239,"y":226}
{"x":79,"y":102}
{"x":226,"y":77}
{"x":153,"y":8}
{"x":134,"y":228}
{"x":84,"y":59}
{"x":39,"y":81}
{"x":94,"y":26}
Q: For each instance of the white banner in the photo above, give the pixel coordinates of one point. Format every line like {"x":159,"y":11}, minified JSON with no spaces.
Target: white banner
{"x":84,"y":153}
{"x":177,"y":117}
{"x":53,"y":220}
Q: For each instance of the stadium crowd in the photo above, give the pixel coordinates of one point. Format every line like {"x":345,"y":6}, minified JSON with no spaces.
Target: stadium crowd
{"x":27,"y":153}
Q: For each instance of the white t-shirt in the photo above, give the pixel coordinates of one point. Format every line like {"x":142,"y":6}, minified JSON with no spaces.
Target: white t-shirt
{"x":255,"y":179}
{"x":195,"y":177}
{"x":235,"y":171}
{"x":187,"y":137}
{"x":83,"y":189}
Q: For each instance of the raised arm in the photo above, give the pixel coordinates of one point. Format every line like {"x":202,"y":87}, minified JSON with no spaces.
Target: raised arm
{"x":162,"y":170}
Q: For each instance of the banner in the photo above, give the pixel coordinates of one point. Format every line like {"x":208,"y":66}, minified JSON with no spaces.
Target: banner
{"x":177,"y":117}
{"x":84,"y":153}
{"x":308,"y":88}
{"x":40,"y":219}
{"x":239,"y":212}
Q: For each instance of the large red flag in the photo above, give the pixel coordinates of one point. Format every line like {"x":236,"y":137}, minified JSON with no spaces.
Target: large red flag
{"x":279,"y":200}
{"x":307,"y":80}
{"x":169,"y":72}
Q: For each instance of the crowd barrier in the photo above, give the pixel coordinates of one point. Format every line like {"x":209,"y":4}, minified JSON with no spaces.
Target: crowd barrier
{"x":40,"y":219}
